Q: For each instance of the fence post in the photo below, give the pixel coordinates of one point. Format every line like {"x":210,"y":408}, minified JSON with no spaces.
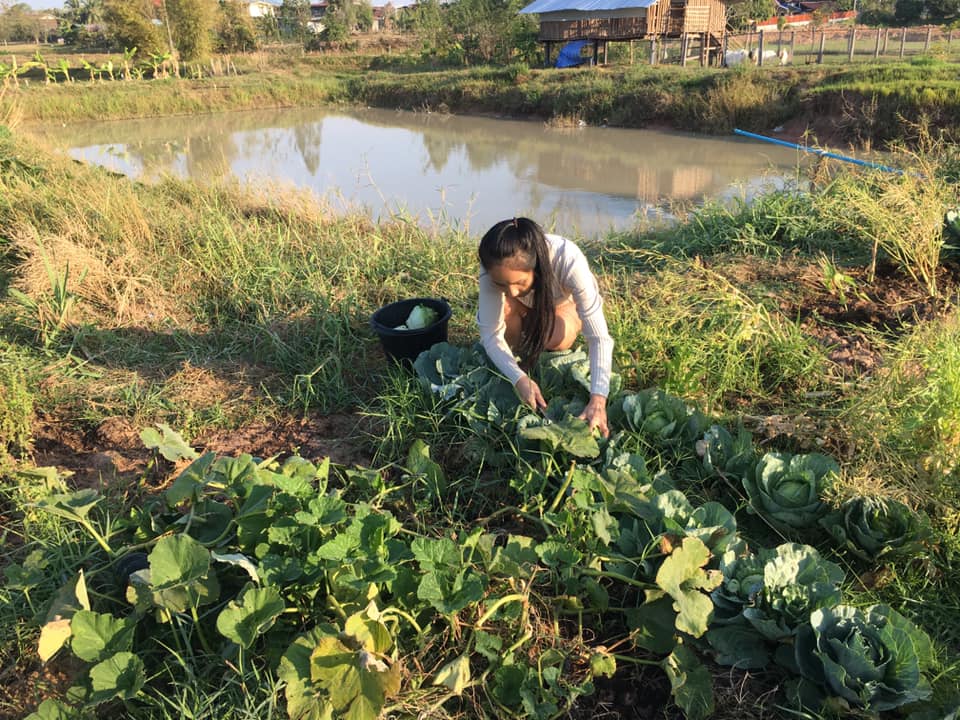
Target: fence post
{"x":886,"y":36}
{"x":823,"y":41}
{"x":876,"y":48}
{"x":631,"y":51}
{"x":926,"y":43}
{"x":704,"y":50}
{"x":903,"y":40}
{"x":683,"y":50}
{"x":949,"y":35}
{"x":793,"y":44}
{"x":653,"y":50}
{"x":723,"y":51}
{"x":760,"y":44}
{"x":851,"y":44}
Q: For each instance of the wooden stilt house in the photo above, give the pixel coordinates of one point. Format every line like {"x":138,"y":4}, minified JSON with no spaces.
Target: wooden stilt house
{"x":602,"y":21}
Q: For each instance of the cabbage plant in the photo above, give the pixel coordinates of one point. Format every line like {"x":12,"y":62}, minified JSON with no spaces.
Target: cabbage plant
{"x":796,"y":581}
{"x":786,"y":489}
{"x":872,"y":527}
{"x":664,"y":419}
{"x":872,"y":658}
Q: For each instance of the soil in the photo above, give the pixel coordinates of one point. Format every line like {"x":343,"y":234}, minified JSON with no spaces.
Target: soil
{"x":113,"y":453}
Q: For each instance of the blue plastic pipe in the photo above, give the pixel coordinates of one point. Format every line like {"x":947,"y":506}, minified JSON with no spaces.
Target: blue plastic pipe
{"x":817,"y":151}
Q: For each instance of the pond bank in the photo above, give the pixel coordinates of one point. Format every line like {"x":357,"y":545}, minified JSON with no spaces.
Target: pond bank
{"x":864,"y":106}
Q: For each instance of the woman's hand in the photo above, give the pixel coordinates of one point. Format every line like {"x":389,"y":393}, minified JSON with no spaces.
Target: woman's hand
{"x":530,"y":394}
{"x":595,"y":413}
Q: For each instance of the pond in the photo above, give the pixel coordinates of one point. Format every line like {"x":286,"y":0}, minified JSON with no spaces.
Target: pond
{"x":461,"y":171}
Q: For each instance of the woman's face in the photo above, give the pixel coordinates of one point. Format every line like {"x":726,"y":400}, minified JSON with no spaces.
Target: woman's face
{"x":513,"y":281}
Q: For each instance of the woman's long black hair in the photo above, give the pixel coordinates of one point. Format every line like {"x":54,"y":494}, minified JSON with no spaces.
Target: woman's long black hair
{"x":520,"y":244}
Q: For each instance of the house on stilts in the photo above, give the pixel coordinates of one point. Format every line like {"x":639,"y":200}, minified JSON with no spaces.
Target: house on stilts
{"x":697,"y":23}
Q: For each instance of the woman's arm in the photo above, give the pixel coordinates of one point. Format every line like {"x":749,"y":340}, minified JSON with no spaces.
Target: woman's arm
{"x":492,"y":328}
{"x":578,"y":278}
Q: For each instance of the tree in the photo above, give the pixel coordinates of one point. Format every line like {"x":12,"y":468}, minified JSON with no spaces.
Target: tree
{"x":293,"y":17}
{"x":364,"y":16}
{"x":130,"y":24}
{"x":235,"y":30}
{"x":20,"y":23}
{"x":943,"y":12}
{"x":192,"y":24}
{"x":339,"y":20}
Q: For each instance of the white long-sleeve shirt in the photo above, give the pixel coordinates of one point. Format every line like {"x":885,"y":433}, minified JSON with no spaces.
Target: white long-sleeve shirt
{"x":575,"y":282}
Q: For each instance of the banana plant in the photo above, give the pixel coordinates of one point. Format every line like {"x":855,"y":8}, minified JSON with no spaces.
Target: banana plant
{"x":128,"y":54}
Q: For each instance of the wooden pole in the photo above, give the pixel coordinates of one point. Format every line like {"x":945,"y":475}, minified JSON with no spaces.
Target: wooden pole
{"x":760,"y":44}
{"x":926,"y":43}
{"x":853,"y":42}
{"x":723,"y":50}
{"x":653,"y":50}
{"x":596,"y":51}
{"x":903,"y":40}
{"x":823,"y":41}
{"x":683,"y":49}
{"x":793,"y":44}
{"x":546,"y":54}
{"x":876,"y":48}
{"x":631,"y":51}
{"x":886,"y":36}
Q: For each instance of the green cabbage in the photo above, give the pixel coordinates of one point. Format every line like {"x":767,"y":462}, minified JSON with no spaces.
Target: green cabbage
{"x":786,"y":488}
{"x":422,"y":316}
{"x":872,"y":658}
{"x":872,"y":528}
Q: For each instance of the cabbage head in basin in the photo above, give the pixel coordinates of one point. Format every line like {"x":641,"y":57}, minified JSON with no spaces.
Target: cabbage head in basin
{"x":871,"y":658}
{"x":787,"y":489}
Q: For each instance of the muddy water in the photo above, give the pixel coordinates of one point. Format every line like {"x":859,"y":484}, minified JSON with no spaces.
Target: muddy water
{"x":463,"y":171}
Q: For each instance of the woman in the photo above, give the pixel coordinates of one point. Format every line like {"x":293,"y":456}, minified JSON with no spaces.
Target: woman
{"x":536,"y":294}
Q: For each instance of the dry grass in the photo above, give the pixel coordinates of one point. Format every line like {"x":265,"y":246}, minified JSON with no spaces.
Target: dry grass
{"x":112,"y":282}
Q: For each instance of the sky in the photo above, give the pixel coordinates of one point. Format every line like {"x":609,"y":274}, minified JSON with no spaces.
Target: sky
{"x":44,"y":4}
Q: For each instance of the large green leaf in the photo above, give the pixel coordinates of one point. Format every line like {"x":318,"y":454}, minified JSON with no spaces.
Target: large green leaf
{"x":119,"y":676}
{"x":305,"y":701}
{"x":250,"y":615}
{"x":73,"y":506}
{"x":70,"y":599}
{"x":419,"y":464}
{"x":683,"y":577}
{"x":571,"y":435}
{"x":653,"y":625}
{"x":739,"y":646}
{"x":439,"y":554}
{"x":191,"y":480}
{"x":168,"y":443}
{"x":690,"y":682}
{"x":51,"y":709}
{"x":177,"y":560}
{"x":356,"y":682}
{"x":450,"y":592}
{"x":95,"y":636}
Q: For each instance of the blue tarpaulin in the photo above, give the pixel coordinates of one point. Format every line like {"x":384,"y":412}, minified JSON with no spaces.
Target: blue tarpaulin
{"x":570,"y":54}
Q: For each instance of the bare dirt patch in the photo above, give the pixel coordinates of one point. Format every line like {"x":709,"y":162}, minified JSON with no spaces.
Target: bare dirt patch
{"x":113,"y":456}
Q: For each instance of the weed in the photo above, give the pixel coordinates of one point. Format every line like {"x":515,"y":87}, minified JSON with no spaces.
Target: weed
{"x":908,"y":417}
{"x":16,"y":410}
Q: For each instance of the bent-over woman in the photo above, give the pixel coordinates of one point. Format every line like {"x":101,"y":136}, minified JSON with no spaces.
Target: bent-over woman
{"x":537,"y":293}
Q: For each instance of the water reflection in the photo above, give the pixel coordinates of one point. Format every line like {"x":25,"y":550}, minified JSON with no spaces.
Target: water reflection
{"x":471,"y":171}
